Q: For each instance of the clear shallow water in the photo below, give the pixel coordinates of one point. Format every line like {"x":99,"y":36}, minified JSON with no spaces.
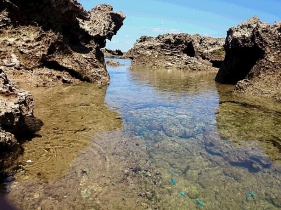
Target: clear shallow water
{"x":182,"y":146}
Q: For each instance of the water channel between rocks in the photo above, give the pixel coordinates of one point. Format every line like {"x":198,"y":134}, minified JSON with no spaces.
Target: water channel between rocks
{"x":164,"y":139}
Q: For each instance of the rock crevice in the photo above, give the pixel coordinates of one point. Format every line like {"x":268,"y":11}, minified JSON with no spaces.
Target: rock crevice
{"x":36,"y":38}
{"x":178,"y":51}
{"x":253,"y":58}
{"x":38,"y":32}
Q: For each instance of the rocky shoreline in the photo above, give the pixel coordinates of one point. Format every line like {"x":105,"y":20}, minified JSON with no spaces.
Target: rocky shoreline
{"x":44,"y":44}
{"x":253,"y":59}
{"x":178,"y":51}
{"x":64,"y":45}
{"x":249,"y":57}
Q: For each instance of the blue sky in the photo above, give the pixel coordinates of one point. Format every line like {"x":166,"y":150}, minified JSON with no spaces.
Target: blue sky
{"x":205,"y":17}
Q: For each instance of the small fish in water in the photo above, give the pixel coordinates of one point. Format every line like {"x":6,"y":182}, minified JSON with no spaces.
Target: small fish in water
{"x":247,"y":197}
{"x":252,"y":194}
{"x":198,"y":131}
{"x":186,"y":170}
{"x":182,"y":194}
{"x":173,"y":182}
{"x":200,"y":202}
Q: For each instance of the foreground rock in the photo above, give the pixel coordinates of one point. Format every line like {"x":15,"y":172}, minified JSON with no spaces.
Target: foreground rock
{"x":58,"y":35}
{"x":253,"y":58}
{"x":16,"y":117}
{"x":41,"y":43}
{"x":17,"y":107}
{"x":179,"y":51}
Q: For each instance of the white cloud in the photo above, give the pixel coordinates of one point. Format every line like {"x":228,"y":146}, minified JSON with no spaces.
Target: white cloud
{"x":127,"y":35}
{"x":158,"y":30}
{"x":174,"y":31}
{"x":163,"y":30}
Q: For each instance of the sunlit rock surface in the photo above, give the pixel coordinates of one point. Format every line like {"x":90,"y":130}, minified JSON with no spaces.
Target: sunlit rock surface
{"x":253,"y":58}
{"x":179,"y":51}
{"x":59,"y":35}
{"x":44,"y":42}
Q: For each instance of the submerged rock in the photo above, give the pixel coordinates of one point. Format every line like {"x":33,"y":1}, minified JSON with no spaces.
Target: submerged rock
{"x":253,"y":58}
{"x":180,"y":51}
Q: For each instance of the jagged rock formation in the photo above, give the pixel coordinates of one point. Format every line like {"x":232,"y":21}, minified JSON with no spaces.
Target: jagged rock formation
{"x":16,"y":112}
{"x":58,"y":35}
{"x":16,"y":117}
{"x":112,"y":53}
{"x":253,"y":58}
{"x":180,"y":51}
{"x":56,"y":40}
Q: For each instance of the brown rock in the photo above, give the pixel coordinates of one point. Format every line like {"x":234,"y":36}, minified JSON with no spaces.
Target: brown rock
{"x":113,"y":53}
{"x":59,"y":35}
{"x":180,"y":51}
{"x":7,"y":139}
{"x":16,"y":108}
{"x":252,"y":59}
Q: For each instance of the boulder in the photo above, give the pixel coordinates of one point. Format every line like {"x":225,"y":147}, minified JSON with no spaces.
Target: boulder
{"x":37,"y":38}
{"x":17,"y":121}
{"x":179,"y":51}
{"x":16,"y":109}
{"x":253,"y":58}
{"x":58,"y":35}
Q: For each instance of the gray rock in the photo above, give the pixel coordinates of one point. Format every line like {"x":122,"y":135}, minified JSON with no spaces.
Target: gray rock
{"x":252,"y":60}
{"x":179,"y":51}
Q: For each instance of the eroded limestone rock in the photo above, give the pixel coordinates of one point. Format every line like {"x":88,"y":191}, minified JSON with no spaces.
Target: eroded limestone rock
{"x":59,"y":35}
{"x":253,"y":58}
{"x":180,"y":51}
{"x":16,"y":109}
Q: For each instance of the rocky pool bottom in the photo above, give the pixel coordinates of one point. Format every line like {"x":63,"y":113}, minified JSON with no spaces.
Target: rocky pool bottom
{"x":182,"y":143}
{"x":121,"y":171}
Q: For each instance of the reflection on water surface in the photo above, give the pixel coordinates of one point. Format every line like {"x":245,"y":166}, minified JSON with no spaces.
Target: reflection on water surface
{"x":177,"y":150}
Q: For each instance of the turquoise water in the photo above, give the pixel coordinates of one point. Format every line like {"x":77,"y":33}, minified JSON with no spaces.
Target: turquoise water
{"x":186,"y":114}
{"x":186,"y":143}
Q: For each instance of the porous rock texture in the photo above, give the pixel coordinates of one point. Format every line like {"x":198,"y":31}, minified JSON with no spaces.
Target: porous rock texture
{"x":16,"y":117}
{"x":108,"y":53}
{"x":57,"y":34}
{"x":253,"y":58}
{"x":52,"y":41}
{"x":179,"y":51}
